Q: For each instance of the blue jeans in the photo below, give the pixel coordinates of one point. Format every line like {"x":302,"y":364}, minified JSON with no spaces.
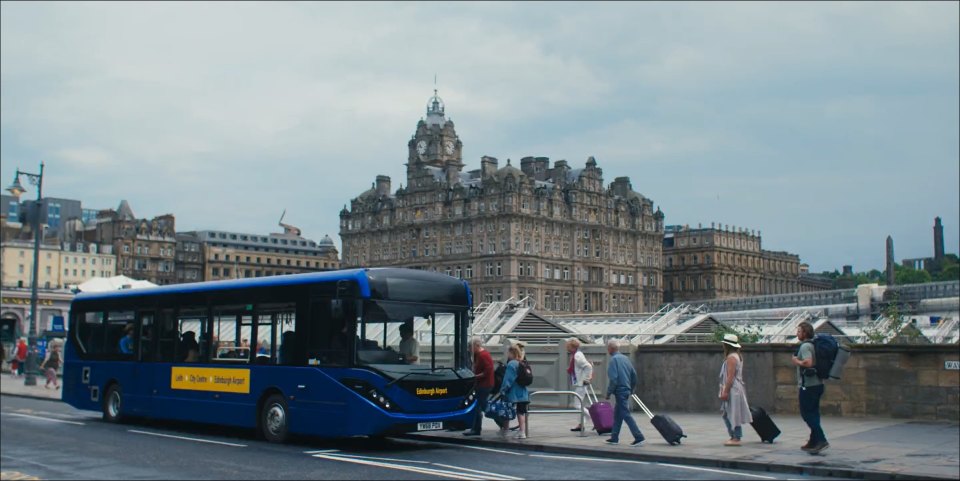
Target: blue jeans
{"x":810,"y":412}
{"x":735,"y":432}
{"x":621,"y":414}
{"x":483,"y":395}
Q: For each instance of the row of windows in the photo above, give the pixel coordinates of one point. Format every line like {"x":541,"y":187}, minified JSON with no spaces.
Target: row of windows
{"x":21,"y":269}
{"x":228,"y":273}
{"x":272,"y":261}
{"x":145,"y":250}
{"x":78,"y":260}
{"x":265,"y":240}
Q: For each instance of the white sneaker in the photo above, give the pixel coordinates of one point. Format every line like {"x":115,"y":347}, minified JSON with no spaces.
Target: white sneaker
{"x":521,"y":436}
{"x":502,"y":433}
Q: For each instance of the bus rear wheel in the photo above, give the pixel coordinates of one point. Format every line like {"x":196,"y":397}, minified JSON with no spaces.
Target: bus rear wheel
{"x":113,"y":404}
{"x":275,"y":419}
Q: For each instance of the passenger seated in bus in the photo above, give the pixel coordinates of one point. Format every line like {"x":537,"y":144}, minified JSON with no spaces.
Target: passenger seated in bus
{"x":189,"y":349}
{"x":126,"y":342}
{"x":286,"y":348}
{"x":409,"y":346}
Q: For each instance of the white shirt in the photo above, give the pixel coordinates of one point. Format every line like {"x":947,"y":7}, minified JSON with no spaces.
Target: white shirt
{"x":410,"y":348}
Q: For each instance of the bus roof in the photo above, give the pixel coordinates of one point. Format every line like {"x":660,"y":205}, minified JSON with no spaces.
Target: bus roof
{"x":359,"y":275}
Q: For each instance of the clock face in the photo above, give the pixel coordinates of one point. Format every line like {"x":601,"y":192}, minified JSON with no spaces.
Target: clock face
{"x":448,"y":147}
{"x":422,"y":146}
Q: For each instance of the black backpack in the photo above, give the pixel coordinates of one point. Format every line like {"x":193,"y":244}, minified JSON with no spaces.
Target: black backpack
{"x":825,"y":349}
{"x":525,"y":374}
{"x":498,"y":374}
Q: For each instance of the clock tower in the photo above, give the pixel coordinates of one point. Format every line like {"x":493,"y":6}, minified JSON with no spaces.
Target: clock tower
{"x":434,"y":146}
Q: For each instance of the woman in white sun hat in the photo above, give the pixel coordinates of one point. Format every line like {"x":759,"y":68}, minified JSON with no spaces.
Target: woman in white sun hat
{"x":733,"y":393}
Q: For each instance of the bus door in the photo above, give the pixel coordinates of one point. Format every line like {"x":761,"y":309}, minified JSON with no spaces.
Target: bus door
{"x":144,"y":372}
{"x":177,"y":374}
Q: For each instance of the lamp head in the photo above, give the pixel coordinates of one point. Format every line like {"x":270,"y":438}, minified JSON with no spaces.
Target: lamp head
{"x":16,"y":188}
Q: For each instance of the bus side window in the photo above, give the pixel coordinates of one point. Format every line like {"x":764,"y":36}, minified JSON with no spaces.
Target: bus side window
{"x":193,"y":332}
{"x":168,"y":337}
{"x":89,"y":334}
{"x":146,"y":336}
{"x":118,"y":324}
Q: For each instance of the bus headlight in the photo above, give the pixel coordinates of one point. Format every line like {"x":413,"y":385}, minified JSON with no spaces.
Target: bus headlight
{"x":469,"y":398}
{"x":378,"y":398}
{"x":368,"y":391}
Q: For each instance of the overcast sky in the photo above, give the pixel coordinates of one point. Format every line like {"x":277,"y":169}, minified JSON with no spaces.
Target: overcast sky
{"x":826,"y":126}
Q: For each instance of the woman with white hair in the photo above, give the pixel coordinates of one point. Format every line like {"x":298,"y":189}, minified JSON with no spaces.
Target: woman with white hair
{"x":580,"y":371}
{"x":733,"y":393}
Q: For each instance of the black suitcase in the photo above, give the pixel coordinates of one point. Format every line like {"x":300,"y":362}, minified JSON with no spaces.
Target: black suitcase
{"x":763,"y":425}
{"x":668,"y":428}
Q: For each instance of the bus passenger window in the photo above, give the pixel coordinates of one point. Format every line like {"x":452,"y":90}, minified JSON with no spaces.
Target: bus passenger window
{"x":272,"y":321}
{"x":168,"y":337}
{"x":89,"y":334}
{"x":146,"y":336}
{"x":193,"y":329}
{"x":120,"y":330}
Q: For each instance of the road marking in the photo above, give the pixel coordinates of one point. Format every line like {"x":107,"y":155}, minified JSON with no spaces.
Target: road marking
{"x":46,"y":419}
{"x":374,"y":458}
{"x":322,"y":451}
{"x":581,"y":458}
{"x":492,"y":475}
{"x":5,"y":475}
{"x":187,"y":439}
{"x":491,"y":449}
{"x":412,"y":469}
{"x":734,"y":473}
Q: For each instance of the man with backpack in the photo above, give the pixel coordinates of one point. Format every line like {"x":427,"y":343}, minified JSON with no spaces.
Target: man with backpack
{"x":811,"y":389}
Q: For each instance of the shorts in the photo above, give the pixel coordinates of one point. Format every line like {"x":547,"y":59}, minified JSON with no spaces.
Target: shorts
{"x":522,"y":407}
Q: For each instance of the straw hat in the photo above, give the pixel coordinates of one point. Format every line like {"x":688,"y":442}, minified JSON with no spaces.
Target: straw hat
{"x":731,"y":340}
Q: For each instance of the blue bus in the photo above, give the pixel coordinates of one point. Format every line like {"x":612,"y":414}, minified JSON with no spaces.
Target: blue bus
{"x":342,"y":353}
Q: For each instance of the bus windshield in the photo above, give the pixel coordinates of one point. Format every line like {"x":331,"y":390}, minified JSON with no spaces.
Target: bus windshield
{"x":396,"y":334}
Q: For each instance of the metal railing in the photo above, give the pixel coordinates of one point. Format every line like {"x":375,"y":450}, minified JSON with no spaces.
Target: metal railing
{"x":583,"y":429}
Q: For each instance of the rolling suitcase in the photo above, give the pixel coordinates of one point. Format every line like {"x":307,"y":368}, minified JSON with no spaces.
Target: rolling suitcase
{"x":763,"y":425}
{"x":668,"y":428}
{"x":601,"y":413}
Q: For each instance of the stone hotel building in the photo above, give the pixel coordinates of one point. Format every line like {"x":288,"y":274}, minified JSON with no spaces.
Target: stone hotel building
{"x":554,"y":234}
{"x":722,"y":262}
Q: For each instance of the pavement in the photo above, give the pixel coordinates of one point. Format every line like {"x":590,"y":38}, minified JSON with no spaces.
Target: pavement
{"x":860,"y":447}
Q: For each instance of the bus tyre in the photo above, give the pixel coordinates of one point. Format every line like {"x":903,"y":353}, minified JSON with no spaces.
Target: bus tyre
{"x":113,"y":404}
{"x":275,"y":419}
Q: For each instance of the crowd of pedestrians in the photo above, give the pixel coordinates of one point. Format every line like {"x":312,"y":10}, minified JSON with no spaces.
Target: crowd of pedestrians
{"x":506,"y":399}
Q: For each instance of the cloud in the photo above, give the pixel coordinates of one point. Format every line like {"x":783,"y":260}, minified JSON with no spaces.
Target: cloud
{"x":225,"y":114}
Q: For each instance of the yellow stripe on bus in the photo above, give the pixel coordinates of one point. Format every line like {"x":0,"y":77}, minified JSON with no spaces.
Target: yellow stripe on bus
{"x":210,"y":379}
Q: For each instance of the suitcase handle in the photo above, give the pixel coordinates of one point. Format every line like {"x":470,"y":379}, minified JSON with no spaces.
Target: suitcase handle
{"x":591,"y":391}
{"x":642,"y":406}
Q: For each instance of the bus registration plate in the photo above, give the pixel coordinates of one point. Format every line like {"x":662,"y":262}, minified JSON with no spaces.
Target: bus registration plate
{"x":434,"y":426}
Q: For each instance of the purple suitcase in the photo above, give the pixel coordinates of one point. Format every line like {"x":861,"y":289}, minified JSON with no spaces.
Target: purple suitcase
{"x":601,"y":413}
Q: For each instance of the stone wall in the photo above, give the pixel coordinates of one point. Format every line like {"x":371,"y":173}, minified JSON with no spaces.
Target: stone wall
{"x":888,"y":381}
{"x":895,"y":381}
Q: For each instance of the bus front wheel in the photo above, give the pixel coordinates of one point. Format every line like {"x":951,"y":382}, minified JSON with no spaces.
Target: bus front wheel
{"x":113,"y":404}
{"x":275,"y":419}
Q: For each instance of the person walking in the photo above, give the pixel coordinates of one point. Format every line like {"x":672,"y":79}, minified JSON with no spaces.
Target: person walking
{"x":733,"y":394}
{"x":811,"y":389}
{"x":51,"y":365}
{"x":483,"y":371}
{"x":513,"y":392}
{"x":21,"y":357}
{"x":621,"y":381}
{"x":581,"y":374}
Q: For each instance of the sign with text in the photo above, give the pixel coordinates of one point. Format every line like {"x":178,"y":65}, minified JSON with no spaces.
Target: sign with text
{"x":210,"y":379}
{"x":58,"y":324}
{"x":951,"y":365}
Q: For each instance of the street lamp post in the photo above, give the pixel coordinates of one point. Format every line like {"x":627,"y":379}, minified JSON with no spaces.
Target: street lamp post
{"x":17,"y":189}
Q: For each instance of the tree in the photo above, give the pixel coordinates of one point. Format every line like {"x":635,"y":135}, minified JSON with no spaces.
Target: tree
{"x":908,"y":275}
{"x":895,"y":329}
{"x":746,"y":335}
